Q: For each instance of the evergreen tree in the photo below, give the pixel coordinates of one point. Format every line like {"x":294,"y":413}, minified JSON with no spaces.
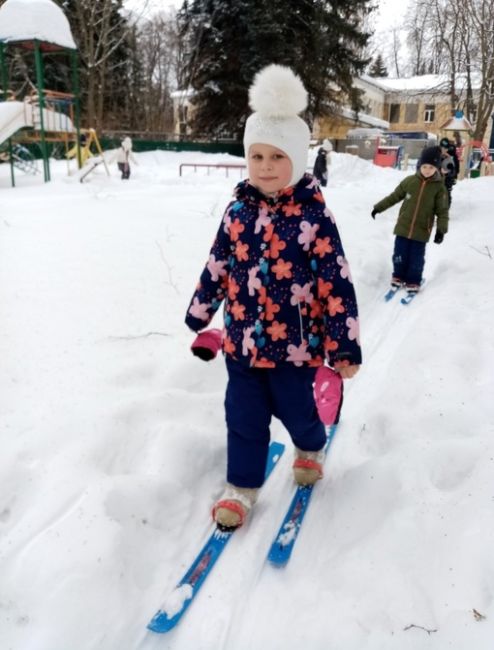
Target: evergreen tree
{"x":378,"y":69}
{"x":228,"y":41}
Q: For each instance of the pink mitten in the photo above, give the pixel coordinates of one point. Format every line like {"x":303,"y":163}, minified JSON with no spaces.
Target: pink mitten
{"x":328,"y":388}
{"x":206,"y":344}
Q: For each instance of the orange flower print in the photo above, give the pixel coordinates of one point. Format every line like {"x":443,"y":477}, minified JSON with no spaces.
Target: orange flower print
{"x":292,"y":209}
{"x":282,"y":269}
{"x":277,"y":331}
{"x":233,"y":289}
{"x":322,"y":246}
{"x":262,"y":296}
{"x":319,"y":197}
{"x":271,"y":309}
{"x":229,"y":346}
{"x":330,"y":345}
{"x":335,"y":306}
{"x":241,"y":252}
{"x":276,"y":246}
{"x":235,"y":229}
{"x":264,"y":363}
{"x":268,"y":232}
{"x":316,"y":362}
{"x":316,"y":309}
{"x":238,"y":311}
{"x":323,"y":288}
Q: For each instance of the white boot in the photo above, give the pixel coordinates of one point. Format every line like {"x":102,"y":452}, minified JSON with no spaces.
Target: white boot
{"x":236,"y":502}
{"x":307,"y":467}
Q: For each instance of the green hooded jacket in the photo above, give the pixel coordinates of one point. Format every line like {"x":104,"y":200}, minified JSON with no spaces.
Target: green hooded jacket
{"x":424,"y":199}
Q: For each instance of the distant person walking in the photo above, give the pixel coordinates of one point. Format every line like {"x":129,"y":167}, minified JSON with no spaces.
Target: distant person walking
{"x":123,"y":157}
{"x":322,"y":162}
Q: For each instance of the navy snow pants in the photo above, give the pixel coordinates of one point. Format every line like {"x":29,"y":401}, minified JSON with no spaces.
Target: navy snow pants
{"x":253,"y":396}
{"x":408,"y":260}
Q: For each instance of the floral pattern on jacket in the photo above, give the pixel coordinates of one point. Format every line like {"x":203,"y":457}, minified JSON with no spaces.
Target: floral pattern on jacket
{"x":280,"y":268}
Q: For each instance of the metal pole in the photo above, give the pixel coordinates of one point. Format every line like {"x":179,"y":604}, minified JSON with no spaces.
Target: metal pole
{"x":5,"y":84}
{"x":77,"y":102}
{"x":41,"y":101}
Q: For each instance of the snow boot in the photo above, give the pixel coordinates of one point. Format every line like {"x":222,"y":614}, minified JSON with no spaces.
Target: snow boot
{"x":412,"y":289}
{"x":230,"y":511}
{"x":307,"y":467}
{"x":396,"y":282}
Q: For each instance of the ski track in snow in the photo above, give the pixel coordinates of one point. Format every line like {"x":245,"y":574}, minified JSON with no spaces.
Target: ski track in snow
{"x":114,"y":446}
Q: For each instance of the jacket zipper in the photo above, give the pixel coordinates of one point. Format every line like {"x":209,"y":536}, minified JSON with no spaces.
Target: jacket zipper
{"x":416,"y":210}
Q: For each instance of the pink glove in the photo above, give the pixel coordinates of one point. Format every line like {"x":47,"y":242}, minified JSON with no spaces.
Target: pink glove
{"x":206,"y":344}
{"x":328,"y":394}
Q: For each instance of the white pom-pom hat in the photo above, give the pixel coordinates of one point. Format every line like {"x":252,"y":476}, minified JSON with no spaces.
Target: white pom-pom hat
{"x":277,"y":96}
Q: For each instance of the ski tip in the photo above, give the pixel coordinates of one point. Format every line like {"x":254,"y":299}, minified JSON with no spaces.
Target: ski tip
{"x":160,"y":623}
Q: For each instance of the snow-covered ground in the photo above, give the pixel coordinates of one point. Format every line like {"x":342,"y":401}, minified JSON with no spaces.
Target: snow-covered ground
{"x":113,"y":443}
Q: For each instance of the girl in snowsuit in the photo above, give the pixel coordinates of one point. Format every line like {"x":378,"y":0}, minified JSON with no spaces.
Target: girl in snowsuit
{"x":425,"y":200}
{"x":278,"y":263}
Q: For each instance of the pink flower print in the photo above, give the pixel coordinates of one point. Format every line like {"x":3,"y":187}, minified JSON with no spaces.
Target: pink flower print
{"x":314,"y":183}
{"x":247,"y":341}
{"x":227,"y":222}
{"x":199,"y":309}
{"x":216,"y":268}
{"x":308,"y":234}
{"x":301,"y":294}
{"x":353,"y":329}
{"x":253,"y":282}
{"x":329,"y":214}
{"x":262,"y":220}
{"x":298,"y":354}
{"x":345,"y":269}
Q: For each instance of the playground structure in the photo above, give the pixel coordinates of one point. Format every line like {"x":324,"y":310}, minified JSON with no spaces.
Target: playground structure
{"x":43,"y":116}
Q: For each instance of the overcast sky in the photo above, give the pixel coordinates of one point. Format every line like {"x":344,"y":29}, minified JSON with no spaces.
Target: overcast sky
{"x":390,"y":12}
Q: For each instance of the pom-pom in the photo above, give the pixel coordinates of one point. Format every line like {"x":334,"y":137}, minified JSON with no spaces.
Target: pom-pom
{"x":277,"y":92}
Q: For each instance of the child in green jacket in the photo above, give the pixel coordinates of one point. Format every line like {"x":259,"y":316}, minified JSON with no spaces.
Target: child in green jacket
{"x":425,"y":199}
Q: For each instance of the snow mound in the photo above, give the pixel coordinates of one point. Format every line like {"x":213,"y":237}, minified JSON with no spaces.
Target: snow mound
{"x":27,"y":20}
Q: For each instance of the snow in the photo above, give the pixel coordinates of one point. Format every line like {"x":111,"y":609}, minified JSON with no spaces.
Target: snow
{"x":27,"y":20}
{"x":113,"y":437}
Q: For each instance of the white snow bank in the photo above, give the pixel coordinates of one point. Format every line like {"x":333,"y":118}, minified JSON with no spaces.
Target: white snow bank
{"x":27,"y":20}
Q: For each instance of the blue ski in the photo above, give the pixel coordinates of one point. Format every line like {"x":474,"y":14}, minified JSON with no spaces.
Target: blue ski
{"x":391,"y":293}
{"x":187,"y":588}
{"x":282,"y":547}
{"x":406,"y":300}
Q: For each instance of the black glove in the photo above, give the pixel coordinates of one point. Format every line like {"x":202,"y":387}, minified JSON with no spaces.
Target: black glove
{"x":438,"y":239}
{"x":373,"y":214}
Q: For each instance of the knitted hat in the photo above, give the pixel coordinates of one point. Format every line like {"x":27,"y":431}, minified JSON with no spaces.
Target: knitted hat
{"x":431,"y":156}
{"x":277,"y":95}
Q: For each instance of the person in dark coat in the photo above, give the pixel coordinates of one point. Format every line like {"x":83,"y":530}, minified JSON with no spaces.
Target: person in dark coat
{"x":322,"y":161}
{"x":450,"y":165}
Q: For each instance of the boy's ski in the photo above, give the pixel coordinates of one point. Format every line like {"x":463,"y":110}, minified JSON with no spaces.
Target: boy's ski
{"x":406,"y":300}
{"x":282,"y":547}
{"x":187,"y":588}
{"x":391,"y":293}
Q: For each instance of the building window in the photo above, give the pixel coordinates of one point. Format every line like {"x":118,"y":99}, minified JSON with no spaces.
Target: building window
{"x":394,"y":113}
{"x":411,"y":113}
{"x":429,"y":112}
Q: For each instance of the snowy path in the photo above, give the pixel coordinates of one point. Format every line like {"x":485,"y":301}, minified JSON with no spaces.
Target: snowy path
{"x":113,"y":435}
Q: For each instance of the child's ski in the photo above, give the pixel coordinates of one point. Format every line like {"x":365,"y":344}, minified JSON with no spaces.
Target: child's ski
{"x":391,"y":293}
{"x":186,"y":590}
{"x":406,"y":300}
{"x":282,"y":547}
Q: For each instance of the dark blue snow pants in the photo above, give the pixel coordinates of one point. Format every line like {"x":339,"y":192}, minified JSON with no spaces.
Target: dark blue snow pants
{"x":253,"y":396}
{"x":408,"y":260}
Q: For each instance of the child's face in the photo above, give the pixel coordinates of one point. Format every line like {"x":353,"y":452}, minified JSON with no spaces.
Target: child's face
{"x":427,"y":170}
{"x":270,"y":169}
